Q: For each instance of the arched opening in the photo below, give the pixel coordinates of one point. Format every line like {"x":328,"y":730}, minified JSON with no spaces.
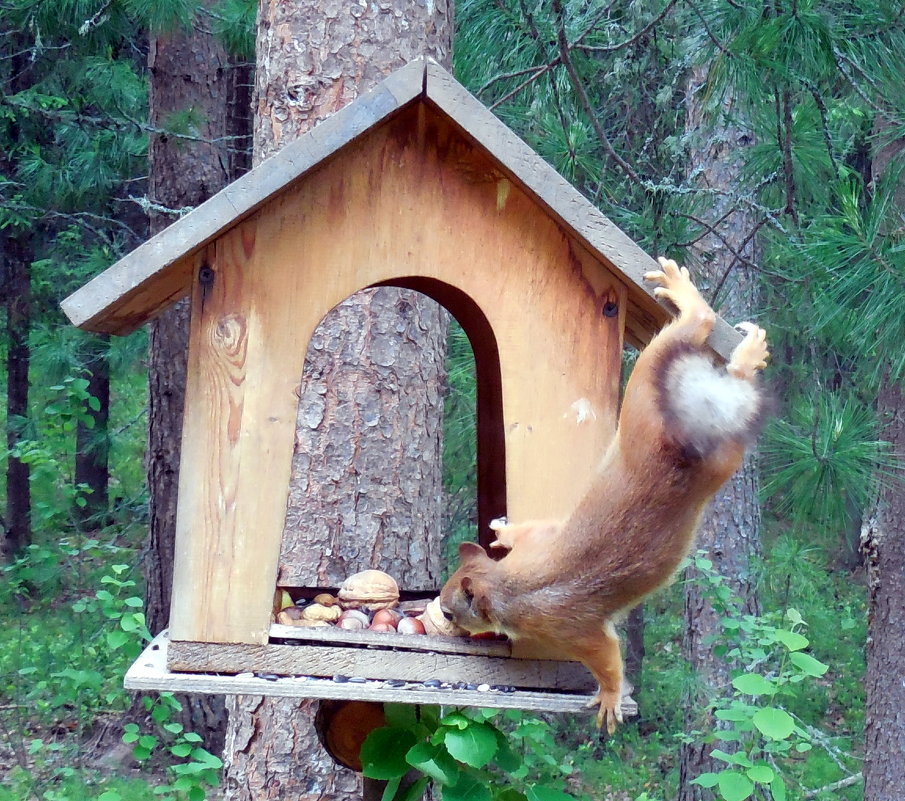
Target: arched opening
{"x":348,"y":517}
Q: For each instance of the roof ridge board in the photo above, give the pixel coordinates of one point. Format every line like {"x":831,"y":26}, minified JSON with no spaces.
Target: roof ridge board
{"x":245,"y":195}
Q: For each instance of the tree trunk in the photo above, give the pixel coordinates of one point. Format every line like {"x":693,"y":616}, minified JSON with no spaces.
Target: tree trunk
{"x":92,"y":445}
{"x":883,"y":545}
{"x":366,"y":475}
{"x":190,"y":71}
{"x":17,"y":291}
{"x":730,"y":530}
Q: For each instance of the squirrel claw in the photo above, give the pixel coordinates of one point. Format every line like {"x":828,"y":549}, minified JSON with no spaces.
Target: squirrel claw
{"x":609,"y":709}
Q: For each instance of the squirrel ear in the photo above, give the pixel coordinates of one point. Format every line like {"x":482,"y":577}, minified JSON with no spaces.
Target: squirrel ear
{"x":469,"y":551}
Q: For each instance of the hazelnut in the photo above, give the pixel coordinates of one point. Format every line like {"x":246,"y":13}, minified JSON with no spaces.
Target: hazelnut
{"x":353,"y":620}
{"x":410,"y":625}
{"x":387,"y":616}
{"x":325,"y":599}
{"x":319,"y":612}
{"x":381,"y":627}
{"x":370,"y":589}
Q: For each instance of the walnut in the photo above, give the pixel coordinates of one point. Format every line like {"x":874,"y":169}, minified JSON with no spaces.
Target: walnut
{"x":370,"y":589}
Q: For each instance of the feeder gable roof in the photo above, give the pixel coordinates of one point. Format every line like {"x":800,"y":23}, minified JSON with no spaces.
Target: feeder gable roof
{"x":159,"y":272}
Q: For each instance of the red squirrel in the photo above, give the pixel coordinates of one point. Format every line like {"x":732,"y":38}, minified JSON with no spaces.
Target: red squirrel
{"x":683,"y":429}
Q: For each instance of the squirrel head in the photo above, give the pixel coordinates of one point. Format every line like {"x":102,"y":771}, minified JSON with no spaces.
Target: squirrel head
{"x":465,"y":598}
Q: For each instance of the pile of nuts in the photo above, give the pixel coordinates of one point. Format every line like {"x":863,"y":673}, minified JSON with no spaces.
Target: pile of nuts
{"x":367,"y":600}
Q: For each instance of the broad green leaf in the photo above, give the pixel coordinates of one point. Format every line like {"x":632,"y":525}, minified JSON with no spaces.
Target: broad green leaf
{"x":383,"y":752}
{"x":706,"y":780}
{"x":402,"y":715}
{"x":792,"y":640}
{"x":734,"y":786}
{"x":474,"y":746}
{"x":777,"y":724}
{"x":468,"y":788}
{"x":433,"y":761}
{"x":807,"y":664}
{"x":753,"y":684}
{"x":541,"y":793}
{"x":455,"y":720}
{"x":508,"y":794}
{"x":761,"y":773}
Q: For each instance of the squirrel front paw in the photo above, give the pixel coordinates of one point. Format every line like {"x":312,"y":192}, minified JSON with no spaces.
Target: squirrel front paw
{"x":675,"y":286}
{"x":609,"y":709}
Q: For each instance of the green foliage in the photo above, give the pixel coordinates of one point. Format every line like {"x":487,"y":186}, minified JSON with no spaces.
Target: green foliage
{"x":758,"y":723}
{"x":468,"y":754}
{"x":824,"y":458}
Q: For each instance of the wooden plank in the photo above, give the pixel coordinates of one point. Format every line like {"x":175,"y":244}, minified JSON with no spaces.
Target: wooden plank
{"x":150,"y":672}
{"x":238,"y":435}
{"x":319,"y":660}
{"x":143,"y":283}
{"x":408,"y":642}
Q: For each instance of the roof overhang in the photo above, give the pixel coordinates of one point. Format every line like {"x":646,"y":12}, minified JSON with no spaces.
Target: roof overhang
{"x":157,"y":273}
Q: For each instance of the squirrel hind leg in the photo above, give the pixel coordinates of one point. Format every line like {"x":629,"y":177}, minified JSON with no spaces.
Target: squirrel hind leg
{"x":600,"y":654}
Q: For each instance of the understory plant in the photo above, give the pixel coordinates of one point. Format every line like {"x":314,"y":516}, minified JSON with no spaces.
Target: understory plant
{"x":757,"y":734}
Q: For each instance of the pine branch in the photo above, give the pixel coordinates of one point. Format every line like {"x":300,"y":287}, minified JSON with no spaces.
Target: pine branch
{"x":583,"y":95}
{"x":627,"y":42}
{"x":848,"y":781}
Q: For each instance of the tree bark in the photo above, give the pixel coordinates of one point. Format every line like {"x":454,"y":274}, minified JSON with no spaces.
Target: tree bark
{"x":17,"y":292}
{"x":190,"y":71}
{"x":365,"y":485}
{"x":730,"y":529}
{"x":883,"y":545}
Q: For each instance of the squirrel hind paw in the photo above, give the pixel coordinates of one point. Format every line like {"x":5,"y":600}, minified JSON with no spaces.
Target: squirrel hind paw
{"x":751,"y":354}
{"x":609,"y":710}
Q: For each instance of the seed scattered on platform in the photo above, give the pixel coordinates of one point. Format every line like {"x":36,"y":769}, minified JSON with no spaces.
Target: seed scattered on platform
{"x":340,"y":679}
{"x":432,"y":683}
{"x":267,"y":676}
{"x":483,"y":688}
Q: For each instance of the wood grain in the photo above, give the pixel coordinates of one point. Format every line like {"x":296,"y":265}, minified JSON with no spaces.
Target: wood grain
{"x":150,"y":672}
{"x":385,"y":663}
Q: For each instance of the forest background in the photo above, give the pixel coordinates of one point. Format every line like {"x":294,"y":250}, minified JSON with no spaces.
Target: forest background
{"x":761,"y":142}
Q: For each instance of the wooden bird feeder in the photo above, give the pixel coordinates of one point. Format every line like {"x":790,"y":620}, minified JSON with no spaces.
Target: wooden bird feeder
{"x":414,"y":184}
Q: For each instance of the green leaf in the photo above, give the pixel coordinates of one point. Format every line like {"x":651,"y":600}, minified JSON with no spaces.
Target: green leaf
{"x":474,"y":746}
{"x":753,"y":684}
{"x":433,"y":761}
{"x":456,"y":720}
{"x":538,"y":792}
{"x":506,"y":758}
{"x":734,"y":786}
{"x":778,"y":789}
{"x":807,"y":664}
{"x":468,"y":788}
{"x":508,"y":794}
{"x":777,"y":724}
{"x":181,"y":750}
{"x":402,"y":715}
{"x":706,"y":780}
{"x":383,"y":752}
{"x":763,"y":774}
{"x":791,"y":639}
